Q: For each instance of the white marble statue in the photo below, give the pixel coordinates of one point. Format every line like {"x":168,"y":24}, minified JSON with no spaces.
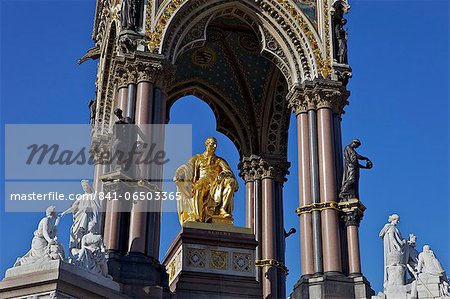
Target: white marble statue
{"x":428,"y":263}
{"x":427,"y":278}
{"x":431,"y":276}
{"x":91,"y":256}
{"x":86,"y":218}
{"x":45,"y":245}
{"x":394,"y":267}
{"x":86,"y":244}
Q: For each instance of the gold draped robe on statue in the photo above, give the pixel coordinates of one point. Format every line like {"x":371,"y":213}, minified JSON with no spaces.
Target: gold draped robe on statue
{"x":207,"y":185}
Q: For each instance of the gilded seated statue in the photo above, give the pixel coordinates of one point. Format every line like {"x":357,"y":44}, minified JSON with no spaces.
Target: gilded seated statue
{"x":207,"y":186}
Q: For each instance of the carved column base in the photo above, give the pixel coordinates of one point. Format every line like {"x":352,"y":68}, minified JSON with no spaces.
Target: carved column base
{"x":332,"y":286}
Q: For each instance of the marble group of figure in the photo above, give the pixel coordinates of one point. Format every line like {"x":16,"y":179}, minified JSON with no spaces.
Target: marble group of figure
{"x":86,"y":249}
{"x":408,"y":273}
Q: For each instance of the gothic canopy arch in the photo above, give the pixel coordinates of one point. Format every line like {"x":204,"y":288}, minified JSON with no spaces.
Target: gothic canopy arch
{"x":243,"y":88}
{"x":290,"y":39}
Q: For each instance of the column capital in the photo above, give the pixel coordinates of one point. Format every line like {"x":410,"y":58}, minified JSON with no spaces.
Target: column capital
{"x":249,"y":168}
{"x":143,"y":67}
{"x":275,"y":169}
{"x":254,"y":168}
{"x":352,"y":212}
{"x":121,"y":77}
{"x":352,"y":218}
{"x":318,"y":94}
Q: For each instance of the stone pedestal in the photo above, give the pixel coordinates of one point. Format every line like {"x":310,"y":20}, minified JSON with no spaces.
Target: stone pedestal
{"x":140,"y":273}
{"x":430,"y":286}
{"x":140,"y":276}
{"x":332,"y":286}
{"x":56,"y":279}
{"x":212,"y":261}
{"x":425,"y":287}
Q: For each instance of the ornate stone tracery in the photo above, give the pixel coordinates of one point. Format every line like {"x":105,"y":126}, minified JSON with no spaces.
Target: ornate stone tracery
{"x":295,"y":32}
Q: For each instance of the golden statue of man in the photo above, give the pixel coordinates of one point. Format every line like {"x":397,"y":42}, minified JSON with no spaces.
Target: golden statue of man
{"x":207,"y":185}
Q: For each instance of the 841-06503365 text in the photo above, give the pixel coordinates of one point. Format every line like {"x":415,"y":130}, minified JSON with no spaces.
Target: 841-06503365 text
{"x":128,"y":196}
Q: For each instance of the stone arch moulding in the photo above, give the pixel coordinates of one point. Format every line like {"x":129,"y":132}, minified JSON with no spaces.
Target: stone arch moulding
{"x":105,"y":78}
{"x":288,"y":38}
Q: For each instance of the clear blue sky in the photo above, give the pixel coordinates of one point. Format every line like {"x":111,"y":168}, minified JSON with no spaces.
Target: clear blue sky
{"x":399,"y":51}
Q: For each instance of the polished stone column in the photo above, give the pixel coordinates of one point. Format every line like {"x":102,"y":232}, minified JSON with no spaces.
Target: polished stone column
{"x":328,"y":192}
{"x":304,"y":182}
{"x":131,"y":101}
{"x":269,"y":239}
{"x":315,"y":195}
{"x":281,"y":238}
{"x":138,"y":216}
{"x":113,"y":216}
{"x":338,"y":148}
{"x":250,"y":171}
{"x":354,"y":259}
{"x":273,"y":276}
{"x":247,"y":172}
{"x":352,"y":220}
{"x":250,"y":205}
{"x":339,"y":161}
{"x":258,"y":226}
{"x":99,"y":170}
{"x":122,"y":99}
{"x":156,"y":175}
{"x":323,"y":101}
{"x":131,"y":232}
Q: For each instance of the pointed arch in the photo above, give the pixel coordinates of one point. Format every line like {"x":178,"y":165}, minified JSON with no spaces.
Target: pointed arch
{"x":296,"y":49}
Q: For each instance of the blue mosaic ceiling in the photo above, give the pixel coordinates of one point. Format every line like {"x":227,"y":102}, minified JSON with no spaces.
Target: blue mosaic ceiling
{"x":230,"y":62}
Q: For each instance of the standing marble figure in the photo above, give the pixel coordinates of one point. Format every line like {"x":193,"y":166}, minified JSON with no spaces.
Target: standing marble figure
{"x":350,"y":182}
{"x":85,"y":217}
{"x":394,"y":268}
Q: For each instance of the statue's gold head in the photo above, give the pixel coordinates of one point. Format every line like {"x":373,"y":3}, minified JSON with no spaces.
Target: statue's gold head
{"x":211,"y":145}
